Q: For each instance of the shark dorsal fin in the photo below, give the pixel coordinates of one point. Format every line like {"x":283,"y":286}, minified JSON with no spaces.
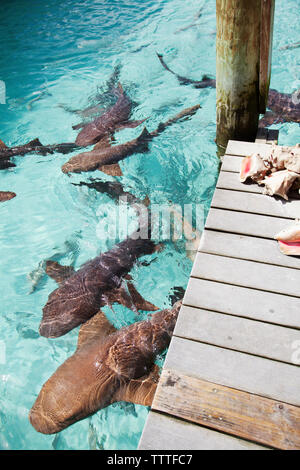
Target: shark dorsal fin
{"x":34,"y":143}
{"x":2,"y":145}
{"x":58,"y":272}
{"x":139,"y":391}
{"x":97,"y":328}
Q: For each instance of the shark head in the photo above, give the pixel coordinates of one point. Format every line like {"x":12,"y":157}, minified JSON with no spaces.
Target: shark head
{"x":108,"y":366}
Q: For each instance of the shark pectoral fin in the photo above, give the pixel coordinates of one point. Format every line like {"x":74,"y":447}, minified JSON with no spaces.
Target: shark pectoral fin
{"x":129,"y":298}
{"x":58,"y":272}
{"x":139,"y":391}
{"x":131,"y":124}
{"x":78,"y":126}
{"x":137,"y":123}
{"x":139,"y":302}
{"x":96,"y":328}
{"x":112,"y":170}
{"x":118,"y":295}
{"x":103,"y":143}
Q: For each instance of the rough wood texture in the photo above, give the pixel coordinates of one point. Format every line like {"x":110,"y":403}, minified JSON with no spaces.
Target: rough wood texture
{"x":266,"y":41}
{"x":232,"y":163}
{"x":256,"y":204}
{"x":244,"y":372}
{"x":228,"y":410}
{"x":240,"y":334}
{"x":245,"y":223}
{"x":248,"y":303}
{"x":247,"y":248}
{"x":231,"y":181}
{"x":237,"y":70}
{"x":163,"y":432}
{"x":244,"y":149}
{"x":245,"y":273}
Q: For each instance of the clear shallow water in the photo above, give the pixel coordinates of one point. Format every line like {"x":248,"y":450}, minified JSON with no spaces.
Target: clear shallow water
{"x":57,"y":53}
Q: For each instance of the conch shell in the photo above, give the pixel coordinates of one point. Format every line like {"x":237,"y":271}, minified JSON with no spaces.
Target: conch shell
{"x":277,"y":169}
{"x":253,"y":167}
{"x":279,"y":183}
{"x":285,"y":158}
{"x":289,"y":240}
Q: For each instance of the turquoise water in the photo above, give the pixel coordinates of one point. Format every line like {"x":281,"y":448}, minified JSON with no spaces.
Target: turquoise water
{"x":57,"y":53}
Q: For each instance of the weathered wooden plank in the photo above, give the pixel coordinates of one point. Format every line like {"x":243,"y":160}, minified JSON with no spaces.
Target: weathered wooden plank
{"x":244,"y":223}
{"x":231,"y":181}
{"x":255,"y":204}
{"x":244,"y":149}
{"x":241,"y":371}
{"x":247,"y":274}
{"x":163,"y":432}
{"x":231,"y":163}
{"x":244,"y":247}
{"x":240,"y":334}
{"x":240,"y":301}
{"x":228,"y":410}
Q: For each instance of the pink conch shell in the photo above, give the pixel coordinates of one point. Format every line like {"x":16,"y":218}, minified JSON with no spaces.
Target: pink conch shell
{"x":279,"y":183}
{"x":253,"y":167}
{"x":289,"y":240}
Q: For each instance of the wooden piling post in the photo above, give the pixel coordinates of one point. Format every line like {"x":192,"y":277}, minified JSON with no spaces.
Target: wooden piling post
{"x":238,"y":69}
{"x":266,"y":40}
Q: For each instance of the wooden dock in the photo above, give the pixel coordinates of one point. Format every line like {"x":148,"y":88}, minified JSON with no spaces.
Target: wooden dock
{"x":231,"y":379}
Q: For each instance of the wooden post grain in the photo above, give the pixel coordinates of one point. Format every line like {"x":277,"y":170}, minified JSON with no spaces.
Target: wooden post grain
{"x":266,"y":40}
{"x":238,"y":65}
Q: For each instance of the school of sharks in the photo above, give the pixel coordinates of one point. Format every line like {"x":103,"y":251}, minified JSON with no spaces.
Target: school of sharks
{"x":109,"y":365}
